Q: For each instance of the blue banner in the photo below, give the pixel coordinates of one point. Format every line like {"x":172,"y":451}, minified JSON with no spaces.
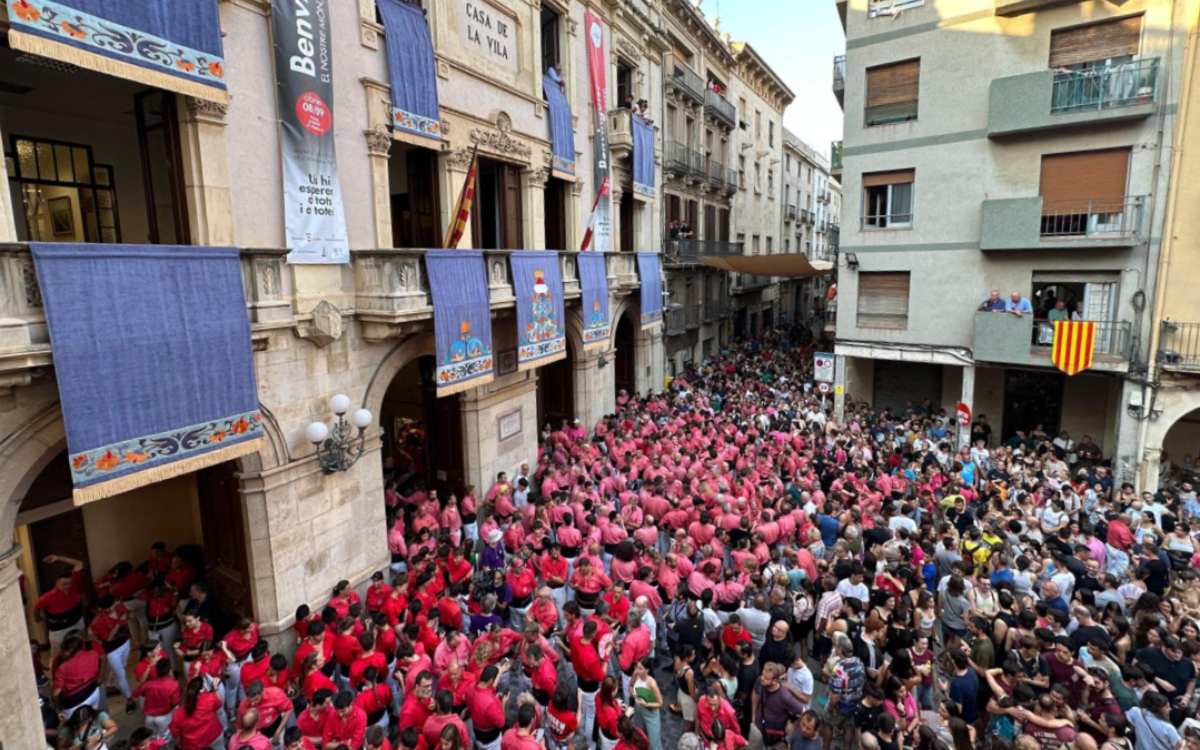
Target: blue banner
{"x":651,"y":278}
{"x":152,"y":357}
{"x":462,"y":319}
{"x":593,"y":281}
{"x":643,"y":157}
{"x":541,"y":321}
{"x":562,"y":128}
{"x":165,"y":43}
{"x":412,"y":70}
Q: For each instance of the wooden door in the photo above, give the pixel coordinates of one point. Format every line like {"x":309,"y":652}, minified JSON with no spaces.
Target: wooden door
{"x":513,"y":231}
{"x":423,"y":198}
{"x":224,"y":533}
{"x":62,"y":534}
{"x":554,"y":199}
{"x":162,"y":168}
{"x":627,"y":220}
{"x":710,"y":222}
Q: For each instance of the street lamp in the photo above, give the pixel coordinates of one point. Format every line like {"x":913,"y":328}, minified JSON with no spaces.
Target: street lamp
{"x":338,"y":449}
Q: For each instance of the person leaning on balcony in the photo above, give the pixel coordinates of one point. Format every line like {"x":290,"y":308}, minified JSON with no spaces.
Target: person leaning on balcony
{"x":1058,"y":312}
{"x":1018,"y":305}
{"x":994,"y":302}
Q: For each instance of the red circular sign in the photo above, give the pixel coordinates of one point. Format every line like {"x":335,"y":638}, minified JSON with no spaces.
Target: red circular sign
{"x":313,"y":113}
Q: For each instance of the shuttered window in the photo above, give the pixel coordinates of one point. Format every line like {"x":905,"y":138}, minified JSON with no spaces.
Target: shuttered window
{"x":888,"y":199}
{"x":1095,"y":42}
{"x":883,"y":299}
{"x":892,"y":92}
{"x":1072,"y":182}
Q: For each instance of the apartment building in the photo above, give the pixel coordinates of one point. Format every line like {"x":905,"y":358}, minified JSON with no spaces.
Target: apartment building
{"x":812,"y":212}
{"x":1040,"y":169}
{"x":186,"y":150}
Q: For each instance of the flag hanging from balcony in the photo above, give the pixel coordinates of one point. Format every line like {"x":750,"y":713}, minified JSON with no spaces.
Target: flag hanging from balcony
{"x":163,"y":43}
{"x":462,"y":209}
{"x":593,"y":282}
{"x":650,"y":274}
{"x":562,"y":127}
{"x":412,"y":73}
{"x":462,"y":319}
{"x":600,"y":223}
{"x":594,"y":216}
{"x":643,"y":157}
{"x":1074,"y":344}
{"x":541,"y":318}
{"x":153,"y":361}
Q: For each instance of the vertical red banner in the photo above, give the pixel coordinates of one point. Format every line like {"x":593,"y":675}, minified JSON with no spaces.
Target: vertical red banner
{"x":600,"y":225}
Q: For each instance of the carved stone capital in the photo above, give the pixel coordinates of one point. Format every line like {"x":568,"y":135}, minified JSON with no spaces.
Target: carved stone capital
{"x":206,"y":109}
{"x":379,"y":141}
{"x":538,"y":176}
{"x":459,"y":159}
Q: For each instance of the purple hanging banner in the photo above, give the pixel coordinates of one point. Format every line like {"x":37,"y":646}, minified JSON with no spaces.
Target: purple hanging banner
{"x":462,"y":319}
{"x":541,"y":329}
{"x":593,"y":281}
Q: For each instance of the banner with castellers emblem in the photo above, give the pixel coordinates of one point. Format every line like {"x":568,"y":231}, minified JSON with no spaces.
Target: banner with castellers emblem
{"x":541,"y":320}
{"x":462,"y":320}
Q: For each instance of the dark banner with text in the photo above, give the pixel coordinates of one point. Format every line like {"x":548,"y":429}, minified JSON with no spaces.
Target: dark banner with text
{"x":314,"y":222}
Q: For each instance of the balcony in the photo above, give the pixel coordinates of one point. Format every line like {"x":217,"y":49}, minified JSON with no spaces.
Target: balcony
{"x":1049,"y":99}
{"x":891,"y":8}
{"x":731,"y":181}
{"x":694,"y":312}
{"x":1027,"y":224}
{"x":674,"y":322}
{"x":789,"y":212}
{"x":835,"y":159}
{"x":689,"y":251}
{"x":620,"y":132}
{"x":839,"y":79}
{"x":720,"y":109}
{"x":715,"y":173}
{"x":1179,"y":346}
{"x":684,"y":80}
{"x":747,"y":282}
{"x":1020,"y":7}
{"x":678,"y":160}
{"x":1011,"y":340}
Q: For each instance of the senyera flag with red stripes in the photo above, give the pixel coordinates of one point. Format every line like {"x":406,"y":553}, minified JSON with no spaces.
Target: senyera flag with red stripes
{"x":591,"y":225}
{"x":1074,"y":344}
{"x":462,"y":211}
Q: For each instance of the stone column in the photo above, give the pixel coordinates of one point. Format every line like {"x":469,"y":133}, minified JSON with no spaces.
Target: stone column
{"x":968,"y":398}
{"x":614,"y":213}
{"x":575,"y":224}
{"x":20,"y":718}
{"x":594,"y":392}
{"x":379,"y":145}
{"x":533,"y":207}
{"x":452,"y":175}
{"x":206,"y":182}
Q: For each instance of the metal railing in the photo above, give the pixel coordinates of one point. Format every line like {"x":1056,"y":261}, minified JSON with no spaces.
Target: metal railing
{"x":720,"y":107}
{"x":698,"y":166}
{"x":1102,"y":87}
{"x":1179,"y":345}
{"x":732,"y":182}
{"x":678,"y":157}
{"x":891,"y":7}
{"x":789,"y":212}
{"x":752,"y":281}
{"x":673,"y":320}
{"x":835,"y":156}
{"x":716,"y":172}
{"x":839,"y":74}
{"x":690,"y":250}
{"x":1113,"y":337}
{"x":882,"y":221}
{"x":886,"y":114}
{"x":693,"y":315}
{"x":1093,"y":219}
{"x":687,"y":81}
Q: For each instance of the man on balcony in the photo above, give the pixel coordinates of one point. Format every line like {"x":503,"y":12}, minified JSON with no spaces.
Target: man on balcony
{"x":994,"y":303}
{"x":1018,"y":305}
{"x":1058,"y":312}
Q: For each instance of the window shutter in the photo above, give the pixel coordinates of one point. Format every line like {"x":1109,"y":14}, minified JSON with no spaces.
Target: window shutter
{"x":1095,"y":42}
{"x":895,"y":177}
{"x":883,"y":299}
{"x":1070,"y":181}
{"x":896,"y":83}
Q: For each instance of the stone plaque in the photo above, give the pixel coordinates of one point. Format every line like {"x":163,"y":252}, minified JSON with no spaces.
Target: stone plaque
{"x":490,"y":33}
{"x":508,"y":425}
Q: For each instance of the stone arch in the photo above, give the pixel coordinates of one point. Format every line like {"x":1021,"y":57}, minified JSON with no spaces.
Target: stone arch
{"x":634,"y":308}
{"x":390,"y":366}
{"x":574,"y":330}
{"x":1175,"y":405}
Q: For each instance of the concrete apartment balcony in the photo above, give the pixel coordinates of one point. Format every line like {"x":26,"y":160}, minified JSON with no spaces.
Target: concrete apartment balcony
{"x":686,"y":82}
{"x":839,"y":79}
{"x":674,"y":320}
{"x":748,"y":282}
{"x":1020,"y":7}
{"x":684,"y":252}
{"x":835,"y":160}
{"x":790,"y":212}
{"x":678,"y":161}
{"x":720,"y":109}
{"x":1048,"y":99}
{"x":620,"y":132}
{"x":1179,"y":346}
{"x":1006,"y":339}
{"x":1030,"y":224}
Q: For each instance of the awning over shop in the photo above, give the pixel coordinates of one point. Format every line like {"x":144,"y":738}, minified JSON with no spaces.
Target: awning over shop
{"x":168,"y":44}
{"x":153,"y":360}
{"x":789,"y":265}
{"x":412,"y":72}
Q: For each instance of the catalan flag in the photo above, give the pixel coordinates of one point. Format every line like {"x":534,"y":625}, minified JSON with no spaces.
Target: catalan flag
{"x":1074,"y":344}
{"x":591,"y":225}
{"x":462,"y":211}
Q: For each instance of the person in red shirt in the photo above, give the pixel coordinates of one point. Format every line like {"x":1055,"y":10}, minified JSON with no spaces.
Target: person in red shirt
{"x":486,"y":710}
{"x":159,"y":697}
{"x":247,"y":736}
{"x":554,"y":569}
{"x":374,"y":697}
{"x":590,"y":670}
{"x":125,"y":582}
{"x":318,"y":641}
{"x":711,"y":708}
{"x":377,"y":593}
{"x":310,"y":719}
{"x":110,"y":625}
{"x":193,"y":633}
{"x":347,"y":724}
{"x":444,"y":717}
{"x":346,"y":647}
{"x":588,"y":581}
{"x":522,"y":583}
{"x":272,"y":706}
{"x":294,"y":739}
{"x":543,"y":674}
{"x":418,"y":702}
{"x":635,"y":646}
{"x":734,"y":634}
{"x":343,"y":596}
{"x":62,"y":606}
{"x":377,"y":739}
{"x":608,"y":712}
{"x":562,"y":721}
{"x":311,"y":678}
{"x":144,"y":739}
{"x":368,"y":657}
{"x":521,"y":737}
{"x":160,"y":614}
{"x":196,"y":724}
{"x":152,"y":653}
{"x":543,"y":611}
{"x":239,"y":642}
{"x":77,"y":676}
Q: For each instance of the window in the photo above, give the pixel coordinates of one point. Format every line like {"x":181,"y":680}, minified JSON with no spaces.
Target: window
{"x":1084,"y":192}
{"x":757,"y":178}
{"x":883,"y":299}
{"x":771,"y":184}
{"x":757,"y":123}
{"x":754,"y":244}
{"x":771,"y":133}
{"x":550,"y":47}
{"x":787,"y":195}
{"x":1094,"y":44}
{"x":741,"y":238}
{"x":888,"y":199}
{"x":770,"y":245}
{"x":742,"y":172}
{"x":892,"y":93}
{"x":672,"y":116}
{"x":787,"y":245}
{"x":66,"y":196}
{"x":625,"y":96}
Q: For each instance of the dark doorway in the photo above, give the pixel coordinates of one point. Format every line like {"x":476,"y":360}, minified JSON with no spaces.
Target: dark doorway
{"x":625,"y":374}
{"x":693,"y":215}
{"x":550,"y":37}
{"x":422,"y":434}
{"x":627,"y":220}
{"x":723,"y":221}
{"x":904,"y":386}
{"x":412,"y":172}
{"x":496,"y":222}
{"x":162,"y":171}
{"x":556,"y":392}
{"x":768,"y":319}
{"x":1032,"y":398}
{"x":555,"y":199}
{"x":224,"y":534}
{"x":740,"y":320}
{"x":710,"y":222}
{"x":624,"y":85}
{"x":62,"y":534}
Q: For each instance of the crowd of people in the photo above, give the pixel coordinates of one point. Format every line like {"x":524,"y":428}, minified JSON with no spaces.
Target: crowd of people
{"x":722,"y":565}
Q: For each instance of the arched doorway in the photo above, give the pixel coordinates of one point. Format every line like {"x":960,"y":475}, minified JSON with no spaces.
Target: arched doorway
{"x":624,"y":372}
{"x":556,"y":392}
{"x":422,"y":434}
{"x":1178,"y":461}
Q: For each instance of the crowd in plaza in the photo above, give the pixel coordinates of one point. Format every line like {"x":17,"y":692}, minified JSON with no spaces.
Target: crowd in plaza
{"x":722,"y":565}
